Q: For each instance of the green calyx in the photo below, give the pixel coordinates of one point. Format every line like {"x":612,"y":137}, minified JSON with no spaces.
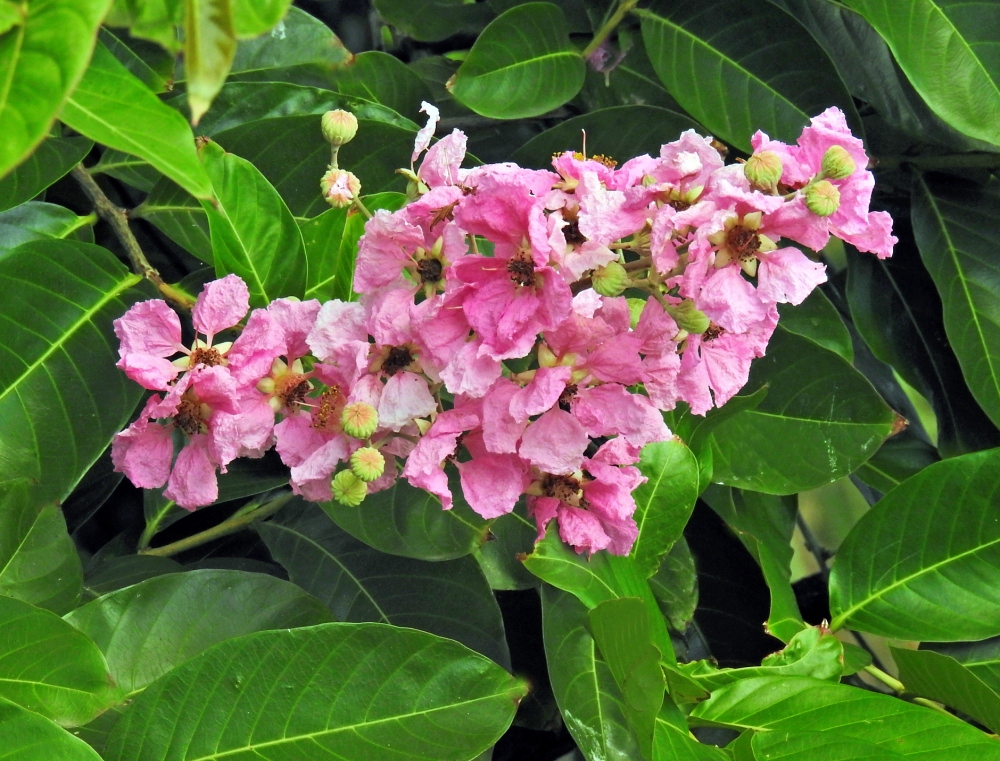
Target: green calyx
{"x":359,"y":420}
{"x":339,"y":127}
{"x":367,"y":464}
{"x":688,"y":317}
{"x":610,"y":280}
{"x":822,"y":198}
{"x":837,"y":163}
{"x":764,"y":170}
{"x":348,"y":489}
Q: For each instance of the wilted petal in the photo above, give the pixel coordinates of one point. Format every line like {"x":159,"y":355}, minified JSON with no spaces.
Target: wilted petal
{"x":221,"y":305}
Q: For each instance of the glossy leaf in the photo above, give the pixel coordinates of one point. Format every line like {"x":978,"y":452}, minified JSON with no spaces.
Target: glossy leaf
{"x":523,"y":64}
{"x":817,"y":319}
{"x":981,"y":658}
{"x":381,"y":78}
{"x":900,"y":457}
{"x":61,"y":397}
{"x":49,"y":667}
{"x":38,"y":560}
{"x":119,"y":572}
{"x":511,"y":538}
{"x":334,"y":691}
{"x":112,"y":107}
{"x":29,"y":737}
{"x":43,"y":59}
{"x":179,"y":216}
{"x":711,"y":57}
{"x":253,"y":233}
{"x":209,"y":48}
{"x":795,"y":704}
{"x":620,"y":133}
{"x":819,"y":421}
{"x":947,"y":49}
{"x":149,"y":628}
{"x":91,"y":492}
{"x":942,"y":678}
{"x":434,"y":20}
{"x":590,"y":701}
{"x":784,"y":745}
{"x":449,"y":598}
{"x":131,"y":170}
{"x":155,"y":21}
{"x":675,"y":586}
{"x":924,"y":563}
{"x":51,"y":160}
{"x":254,"y":17}
{"x":664,"y":502}
{"x":410,"y":522}
{"x":955,"y":226}
{"x":156,"y":73}
{"x":37,"y":220}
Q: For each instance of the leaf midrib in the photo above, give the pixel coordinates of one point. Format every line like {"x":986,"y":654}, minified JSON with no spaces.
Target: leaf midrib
{"x":490,"y":72}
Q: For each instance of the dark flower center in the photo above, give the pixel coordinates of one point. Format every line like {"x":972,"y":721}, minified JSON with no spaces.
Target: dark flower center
{"x":522,"y":268}
{"x":189,"y":417}
{"x":713,"y":332}
{"x":567,"y":396}
{"x":430,"y":271}
{"x":292,"y":389}
{"x":679,"y":204}
{"x":399,"y":357}
{"x":209,"y":357}
{"x":563,"y":488}
{"x":573,"y":235}
{"x":743,"y":242}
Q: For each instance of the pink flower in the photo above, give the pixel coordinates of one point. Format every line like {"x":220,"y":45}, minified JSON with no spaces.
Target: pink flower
{"x":491,"y":483}
{"x":424,"y":467}
{"x":554,"y":443}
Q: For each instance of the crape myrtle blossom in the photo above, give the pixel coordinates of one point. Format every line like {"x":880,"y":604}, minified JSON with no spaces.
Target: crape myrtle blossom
{"x":518,"y":335}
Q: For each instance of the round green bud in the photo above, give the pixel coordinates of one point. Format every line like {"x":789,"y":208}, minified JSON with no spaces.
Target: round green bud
{"x":339,"y":127}
{"x":763,"y":169}
{"x":340,"y":188}
{"x":359,"y":420}
{"x":367,"y":463}
{"x":688,"y":317}
{"x":822,"y":198}
{"x":348,"y":489}
{"x":610,"y":280}
{"x":837,"y":163}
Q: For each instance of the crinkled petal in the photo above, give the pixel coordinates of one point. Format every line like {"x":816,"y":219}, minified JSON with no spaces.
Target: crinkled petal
{"x":338,"y":331}
{"x":296,"y":319}
{"x":610,"y":409}
{"x":252,"y":354}
{"x":221,"y":305}
{"x":471,"y":371}
{"x":404,"y":398}
{"x":149,"y":371}
{"x":143,"y":452}
{"x":297,"y":439}
{"x":788,"y":276}
{"x":149,"y":327}
{"x":427,"y":131}
{"x":541,"y":394}
{"x":730,"y":301}
{"x":582,"y":530}
{"x":193,"y":482}
{"x":441,"y":165}
{"x":492,"y":483}
{"x":312,"y":478}
{"x":554,"y":443}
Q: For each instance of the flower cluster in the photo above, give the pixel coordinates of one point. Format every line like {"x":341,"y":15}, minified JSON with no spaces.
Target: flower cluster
{"x":526,"y":327}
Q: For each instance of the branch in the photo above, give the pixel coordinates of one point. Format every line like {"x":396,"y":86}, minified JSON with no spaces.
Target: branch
{"x":117,"y":217}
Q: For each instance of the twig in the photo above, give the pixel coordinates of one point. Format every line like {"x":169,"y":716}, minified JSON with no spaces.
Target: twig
{"x":117,"y":217}
{"x":900,"y":689}
{"x":609,"y":26}
{"x":815,"y":548}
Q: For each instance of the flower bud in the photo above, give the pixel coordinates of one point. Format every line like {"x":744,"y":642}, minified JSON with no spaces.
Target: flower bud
{"x":822,"y":198}
{"x":340,"y":188}
{"x":688,"y":317}
{"x":348,"y":489}
{"x":367,"y":463}
{"x":763,"y":169}
{"x":359,"y":420}
{"x":837,"y":163}
{"x":610,"y":280}
{"x":546,"y":357}
{"x":339,"y":127}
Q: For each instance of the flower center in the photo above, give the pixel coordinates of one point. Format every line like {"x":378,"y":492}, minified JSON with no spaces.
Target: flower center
{"x":566,"y":397}
{"x":192,"y":416}
{"x":209,"y":357}
{"x":326,"y":414}
{"x":572,"y":233}
{"x":399,"y":357}
{"x":743,"y":242}
{"x":522,"y":268}
{"x":292,"y":389}
{"x":564,"y":488}
{"x":430,"y":271}
{"x":713,"y":332}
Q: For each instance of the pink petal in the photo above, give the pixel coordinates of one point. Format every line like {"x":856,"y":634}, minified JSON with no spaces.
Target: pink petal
{"x":500,"y":431}
{"x":730,"y":301}
{"x":339,"y":335}
{"x":149,"y":371}
{"x":404,"y":398}
{"x":582,"y":530}
{"x":297,"y":439}
{"x":247,"y":434}
{"x":877,"y":237}
{"x":221,"y":305}
{"x":788,"y":275}
{"x":312,"y":478}
{"x":216,"y":387}
{"x":492,"y":483}
{"x":193,"y":482}
{"x":539,"y":395}
{"x":252,"y":354}
{"x":387,"y":245}
{"x":427,"y":131}
{"x":555,"y":443}
{"x":149,"y":327}
{"x":610,"y":409}
{"x":471,"y":371}
{"x":144,"y":451}
{"x":543,"y":510}
{"x":441,"y":165}
{"x":296,"y":319}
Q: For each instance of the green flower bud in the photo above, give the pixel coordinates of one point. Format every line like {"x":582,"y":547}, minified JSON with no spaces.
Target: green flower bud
{"x":367,"y":463}
{"x":688,"y":317}
{"x":764,"y":169}
{"x":348,"y":489}
{"x":340,"y":188}
{"x":837,"y":163}
{"x":359,"y":420}
{"x":339,"y":127}
{"x":822,"y":198}
{"x":610,"y":280}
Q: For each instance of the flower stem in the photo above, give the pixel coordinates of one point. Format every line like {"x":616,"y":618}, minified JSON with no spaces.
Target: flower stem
{"x":361,"y":207}
{"x":609,"y":26}
{"x":154,"y":525}
{"x":117,"y":217}
{"x":237,"y":522}
{"x":899,"y":688}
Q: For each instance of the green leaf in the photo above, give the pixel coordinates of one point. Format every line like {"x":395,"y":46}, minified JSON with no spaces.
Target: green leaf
{"x":924,"y":563}
{"x":147,"y":629}
{"x":817,"y":319}
{"x":675,"y":586}
{"x":11,"y":15}
{"x":29,"y":737}
{"x":947,"y":49}
{"x":512,"y":537}
{"x":38,"y":560}
{"x":334,"y":691}
{"x":51,"y":160}
{"x":449,"y":598}
{"x":900,"y":457}
{"x":157,"y":81}
{"x":49,"y":667}
{"x":155,"y":20}
{"x":620,"y":132}
{"x":981,"y":658}
{"x":112,"y":107}
{"x":381,"y":78}
{"x":942,"y":678}
{"x":819,"y":421}
{"x":585,"y":690}
{"x":37,"y":220}
{"x":42,"y":60}
{"x":411,"y":522}
{"x":131,"y":170}
{"x":522,"y":65}
{"x":815,"y":746}
{"x":670,"y":744}
{"x":61,"y":396}
{"x":434,"y":20}
{"x":738,"y":67}
{"x":209,"y":49}
{"x":796,"y":704}
{"x":253,"y":233}
{"x":179,"y":216}
{"x":955,"y":226}
{"x":254,"y":17}
{"x":114,"y":573}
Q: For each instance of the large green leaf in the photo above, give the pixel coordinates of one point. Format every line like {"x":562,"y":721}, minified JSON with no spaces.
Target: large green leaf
{"x":675,"y":586}
{"x":900,"y":457}
{"x":37,"y":220}
{"x":209,"y":49}
{"x":411,"y":522}
{"x":38,"y":560}
{"x":620,"y":133}
{"x":147,"y":629}
{"x":42,"y":60}
{"x":511,"y":538}
{"x":924,"y":563}
{"x":113,"y":107}
{"x":254,"y":17}
{"x":130,"y":169}
{"x":982,"y":658}
{"x":949,"y":51}
{"x":671,"y":744}
{"x":152,"y":66}
{"x":800,"y":704}
{"x":955,"y":226}
{"x":738,"y":67}
{"x":61,"y":397}
{"x":434,"y":20}
{"x":179,"y":216}
{"x":588,"y":697}
{"x":50,"y":161}
{"x":817,"y":319}
{"x":253,"y":233}
{"x":381,"y":78}
{"x":30,"y":737}
{"x":664,"y":502}
{"x":523,"y":64}
{"x":49,"y":667}
{"x":781,"y":745}
{"x":449,"y":598}
{"x":819,"y":421}
{"x":335,"y":691}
